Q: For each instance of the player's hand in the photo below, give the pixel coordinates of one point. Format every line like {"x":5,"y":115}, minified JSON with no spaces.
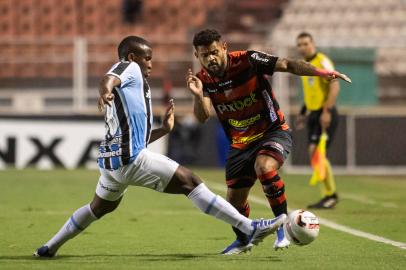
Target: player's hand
{"x":106,"y":99}
{"x":337,"y":75}
{"x":300,"y":122}
{"x":194,"y":84}
{"x":169,"y":117}
{"x":325,"y":119}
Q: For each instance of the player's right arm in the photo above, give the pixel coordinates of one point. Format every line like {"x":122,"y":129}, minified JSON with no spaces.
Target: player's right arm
{"x":106,"y":87}
{"x":201,"y":107}
{"x":268,"y":64}
{"x":303,"y":68}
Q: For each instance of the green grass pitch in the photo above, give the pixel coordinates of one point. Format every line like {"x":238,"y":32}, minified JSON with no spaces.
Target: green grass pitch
{"x":158,"y":231}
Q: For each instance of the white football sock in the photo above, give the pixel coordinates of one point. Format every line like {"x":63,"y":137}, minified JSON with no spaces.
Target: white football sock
{"x":81,"y":219}
{"x":216,"y":206}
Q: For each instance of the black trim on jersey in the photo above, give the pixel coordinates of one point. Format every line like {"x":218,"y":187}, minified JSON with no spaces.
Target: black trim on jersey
{"x":148,"y":107}
{"x":107,"y":160}
{"x":238,"y":80}
{"x":125,"y":129}
{"x":120,"y":68}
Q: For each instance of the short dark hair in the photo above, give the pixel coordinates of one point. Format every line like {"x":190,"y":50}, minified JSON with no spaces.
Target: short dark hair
{"x":130,"y":44}
{"x":305,"y":34}
{"x":206,"y":37}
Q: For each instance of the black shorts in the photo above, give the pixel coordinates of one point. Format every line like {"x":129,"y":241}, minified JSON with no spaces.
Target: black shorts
{"x":314,"y":127}
{"x":240,"y":171}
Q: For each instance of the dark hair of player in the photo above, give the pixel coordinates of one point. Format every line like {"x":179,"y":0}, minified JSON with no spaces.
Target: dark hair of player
{"x":206,"y":37}
{"x":304,"y":35}
{"x":131,"y":44}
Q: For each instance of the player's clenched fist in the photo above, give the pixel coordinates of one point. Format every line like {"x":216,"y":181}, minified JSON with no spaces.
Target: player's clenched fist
{"x":194,"y":84}
{"x":105,"y":99}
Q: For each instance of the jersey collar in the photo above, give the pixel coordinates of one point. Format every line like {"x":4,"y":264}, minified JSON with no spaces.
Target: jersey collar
{"x":311,"y":57}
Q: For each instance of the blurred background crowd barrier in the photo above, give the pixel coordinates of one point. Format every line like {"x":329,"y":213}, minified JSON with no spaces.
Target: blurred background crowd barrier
{"x":53,"y":54}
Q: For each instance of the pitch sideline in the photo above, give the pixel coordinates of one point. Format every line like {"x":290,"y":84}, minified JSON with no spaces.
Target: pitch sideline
{"x":325,"y":222}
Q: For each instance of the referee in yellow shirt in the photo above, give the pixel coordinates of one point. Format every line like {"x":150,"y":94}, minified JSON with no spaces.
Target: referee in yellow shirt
{"x":319,"y":107}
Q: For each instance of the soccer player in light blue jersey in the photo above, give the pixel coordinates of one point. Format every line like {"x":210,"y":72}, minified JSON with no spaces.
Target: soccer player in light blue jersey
{"x":125,"y":160}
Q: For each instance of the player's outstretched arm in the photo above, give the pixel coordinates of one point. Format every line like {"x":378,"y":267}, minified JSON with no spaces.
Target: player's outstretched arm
{"x":303,"y":68}
{"x":201,"y":107}
{"x":106,"y":87}
{"x":167,"y":123}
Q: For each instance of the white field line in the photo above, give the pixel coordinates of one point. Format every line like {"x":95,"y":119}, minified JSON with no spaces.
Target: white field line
{"x":326,"y":222}
{"x":364,"y":200}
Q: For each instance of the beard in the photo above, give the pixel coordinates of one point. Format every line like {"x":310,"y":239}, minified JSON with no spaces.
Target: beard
{"x":216,"y":70}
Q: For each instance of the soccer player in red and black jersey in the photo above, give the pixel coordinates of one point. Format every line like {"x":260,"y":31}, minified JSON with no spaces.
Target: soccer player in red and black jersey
{"x":236,"y":84}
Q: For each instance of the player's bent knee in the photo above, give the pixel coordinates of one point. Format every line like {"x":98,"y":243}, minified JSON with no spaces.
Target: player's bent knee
{"x":264,"y":164}
{"x":183,"y":182}
{"x":101,"y":207}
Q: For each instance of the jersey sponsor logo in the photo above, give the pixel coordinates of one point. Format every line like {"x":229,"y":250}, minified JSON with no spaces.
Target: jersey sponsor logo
{"x":114,"y":140}
{"x":237,"y":105}
{"x":256,"y":56}
{"x":247,"y":139}
{"x":110,"y":154}
{"x":226,"y":83}
{"x":270,"y":105}
{"x":108,"y":188}
{"x":244,"y":123}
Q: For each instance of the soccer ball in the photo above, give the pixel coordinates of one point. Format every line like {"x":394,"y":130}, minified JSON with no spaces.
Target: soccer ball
{"x":301,"y":227}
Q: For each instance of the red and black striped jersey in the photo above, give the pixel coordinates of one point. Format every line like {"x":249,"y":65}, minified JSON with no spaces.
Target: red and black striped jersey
{"x":243,"y":99}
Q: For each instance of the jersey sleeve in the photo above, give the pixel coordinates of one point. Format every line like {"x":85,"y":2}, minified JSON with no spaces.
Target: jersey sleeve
{"x":126,"y":72}
{"x":262,"y":62}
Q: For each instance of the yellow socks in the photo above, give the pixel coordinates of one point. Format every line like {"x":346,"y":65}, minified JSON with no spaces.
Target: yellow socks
{"x":328,"y":186}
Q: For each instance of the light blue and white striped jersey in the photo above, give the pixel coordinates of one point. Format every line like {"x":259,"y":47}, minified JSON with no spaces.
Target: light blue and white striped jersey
{"x":129,"y":120}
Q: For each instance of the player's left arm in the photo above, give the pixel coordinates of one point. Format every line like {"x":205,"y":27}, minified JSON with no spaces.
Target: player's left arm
{"x":303,"y":68}
{"x":167,"y":123}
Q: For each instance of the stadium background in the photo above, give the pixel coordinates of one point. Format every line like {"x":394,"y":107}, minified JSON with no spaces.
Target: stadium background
{"x":53,"y":54}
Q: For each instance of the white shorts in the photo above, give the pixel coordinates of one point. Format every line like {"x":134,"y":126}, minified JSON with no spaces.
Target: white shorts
{"x":149,"y":169}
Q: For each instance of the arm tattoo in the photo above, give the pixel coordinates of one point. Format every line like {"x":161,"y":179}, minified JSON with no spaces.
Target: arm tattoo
{"x":300,"y":67}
